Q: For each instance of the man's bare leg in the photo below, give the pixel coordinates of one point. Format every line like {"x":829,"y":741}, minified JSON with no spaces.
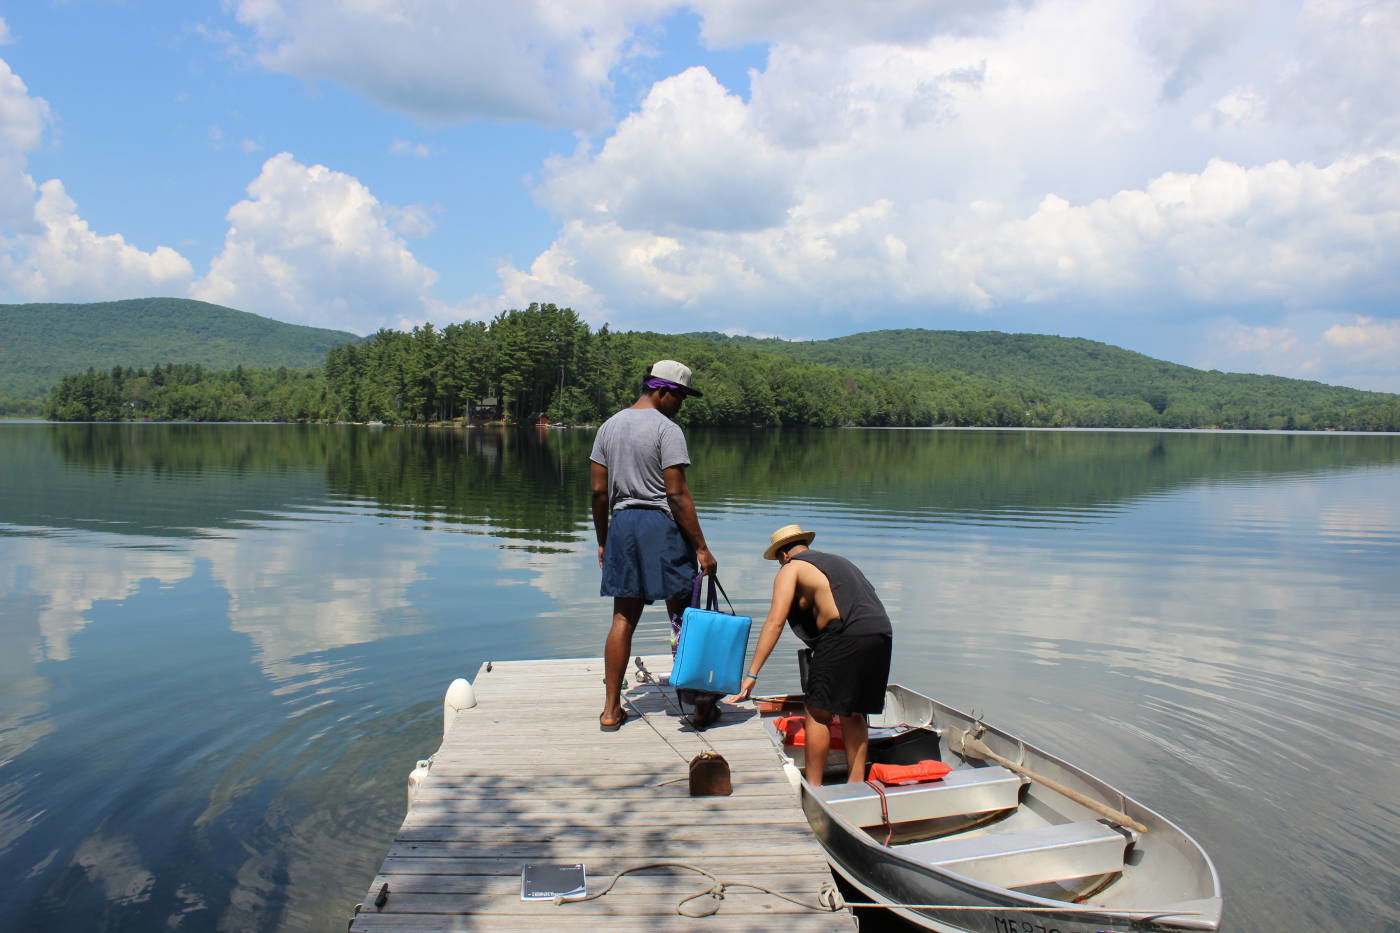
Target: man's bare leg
{"x":616,"y":650}
{"x":818,"y":744}
{"x":857,"y":738}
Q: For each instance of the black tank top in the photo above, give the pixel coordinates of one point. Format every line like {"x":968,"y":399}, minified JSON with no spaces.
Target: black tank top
{"x":861,"y":612}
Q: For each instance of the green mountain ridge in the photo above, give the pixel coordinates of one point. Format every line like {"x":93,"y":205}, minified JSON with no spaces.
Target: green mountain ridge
{"x":1051,"y":366}
{"x":42,"y":343}
{"x":234,"y":366}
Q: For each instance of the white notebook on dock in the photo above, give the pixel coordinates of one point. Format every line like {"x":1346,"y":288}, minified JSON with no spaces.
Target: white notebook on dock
{"x":543,"y":881}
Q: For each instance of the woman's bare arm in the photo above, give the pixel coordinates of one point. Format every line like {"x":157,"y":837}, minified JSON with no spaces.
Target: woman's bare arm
{"x":784,"y":592}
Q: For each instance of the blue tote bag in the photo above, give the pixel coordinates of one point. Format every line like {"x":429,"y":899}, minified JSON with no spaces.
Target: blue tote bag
{"x":712,"y":645}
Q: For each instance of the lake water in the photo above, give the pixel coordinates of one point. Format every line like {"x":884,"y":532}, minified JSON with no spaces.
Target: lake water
{"x":222,"y":647}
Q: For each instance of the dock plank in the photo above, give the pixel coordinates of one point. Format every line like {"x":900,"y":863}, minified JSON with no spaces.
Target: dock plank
{"x":526,"y":776}
{"x":749,"y":866}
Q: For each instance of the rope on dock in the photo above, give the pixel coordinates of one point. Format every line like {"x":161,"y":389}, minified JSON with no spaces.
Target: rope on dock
{"x":647,"y":678}
{"x":829,"y":899}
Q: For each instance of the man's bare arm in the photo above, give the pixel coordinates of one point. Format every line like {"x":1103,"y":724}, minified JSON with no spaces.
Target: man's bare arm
{"x":598,"y":486}
{"x":683,"y":511}
{"x":784,"y":592}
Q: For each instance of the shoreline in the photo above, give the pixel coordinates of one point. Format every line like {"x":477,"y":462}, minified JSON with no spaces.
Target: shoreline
{"x":441,"y":425}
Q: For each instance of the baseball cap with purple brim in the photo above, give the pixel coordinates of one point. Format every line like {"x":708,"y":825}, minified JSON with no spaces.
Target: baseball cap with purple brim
{"x":671,"y":375}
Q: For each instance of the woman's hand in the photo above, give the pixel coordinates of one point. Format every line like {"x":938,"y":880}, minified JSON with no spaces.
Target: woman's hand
{"x":745,"y":690}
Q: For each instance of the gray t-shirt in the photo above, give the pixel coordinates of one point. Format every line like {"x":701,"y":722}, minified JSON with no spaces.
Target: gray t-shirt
{"x":636,"y":445}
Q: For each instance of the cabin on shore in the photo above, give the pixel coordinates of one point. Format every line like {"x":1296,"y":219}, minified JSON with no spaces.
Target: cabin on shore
{"x":484,"y":410}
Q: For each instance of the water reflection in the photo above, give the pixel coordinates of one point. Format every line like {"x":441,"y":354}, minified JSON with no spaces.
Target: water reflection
{"x":223,"y":646}
{"x":175,"y":480}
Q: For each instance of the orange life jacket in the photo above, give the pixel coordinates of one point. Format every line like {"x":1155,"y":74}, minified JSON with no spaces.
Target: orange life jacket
{"x":930,"y":770}
{"x":794,"y":730}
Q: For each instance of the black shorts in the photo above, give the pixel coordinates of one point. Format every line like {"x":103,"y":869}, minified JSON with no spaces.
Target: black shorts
{"x":849,"y":673}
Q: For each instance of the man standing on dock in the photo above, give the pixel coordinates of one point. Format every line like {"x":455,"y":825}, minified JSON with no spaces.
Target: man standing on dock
{"x":834,"y":610}
{"x":649,"y":537}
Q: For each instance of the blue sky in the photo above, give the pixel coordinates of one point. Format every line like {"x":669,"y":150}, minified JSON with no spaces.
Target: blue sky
{"x":1214,"y":184}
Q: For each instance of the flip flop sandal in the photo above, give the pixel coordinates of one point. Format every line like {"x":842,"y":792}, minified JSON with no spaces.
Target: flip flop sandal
{"x":604,"y":727}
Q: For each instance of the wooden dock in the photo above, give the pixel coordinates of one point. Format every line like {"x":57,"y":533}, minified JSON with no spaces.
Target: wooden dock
{"x":525,"y":776}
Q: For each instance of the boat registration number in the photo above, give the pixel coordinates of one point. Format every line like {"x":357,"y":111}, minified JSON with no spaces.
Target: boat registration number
{"x":1018,"y":925}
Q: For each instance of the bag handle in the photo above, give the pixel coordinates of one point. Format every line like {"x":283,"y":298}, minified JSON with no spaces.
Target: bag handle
{"x":712,"y":601}
{"x":695,"y":590}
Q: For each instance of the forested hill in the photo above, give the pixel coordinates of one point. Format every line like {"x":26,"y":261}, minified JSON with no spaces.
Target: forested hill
{"x":1089,"y":366}
{"x":41,"y":343}
{"x":545,"y":359}
{"x":1040,"y":365}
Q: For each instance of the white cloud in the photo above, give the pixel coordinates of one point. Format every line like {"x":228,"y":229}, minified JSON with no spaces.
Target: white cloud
{"x":1344,"y":76}
{"x":1182,"y":36}
{"x":411,"y":220}
{"x":1180,"y":159}
{"x":22,"y":117}
{"x":1288,"y":349}
{"x":404,"y":147}
{"x":1365,"y":339}
{"x":839,"y":22}
{"x":22,"y":122}
{"x":1272,"y":340}
{"x":715,"y":171}
{"x":4,"y":32}
{"x":1241,"y":108}
{"x":314,"y":246}
{"x":47,"y":251}
{"x":1281,"y":233}
{"x":1033,"y":159}
{"x":66,"y":260}
{"x":443,"y":60}
{"x":1328,"y":346}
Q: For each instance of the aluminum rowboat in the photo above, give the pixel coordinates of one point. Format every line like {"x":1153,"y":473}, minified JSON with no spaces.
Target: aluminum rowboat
{"x":988,"y":850}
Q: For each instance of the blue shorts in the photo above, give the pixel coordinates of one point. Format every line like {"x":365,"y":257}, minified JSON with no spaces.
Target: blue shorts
{"x":646,"y":557}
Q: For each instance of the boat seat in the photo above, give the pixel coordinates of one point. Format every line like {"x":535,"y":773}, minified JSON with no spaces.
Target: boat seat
{"x":967,"y":790}
{"x":1057,"y":852}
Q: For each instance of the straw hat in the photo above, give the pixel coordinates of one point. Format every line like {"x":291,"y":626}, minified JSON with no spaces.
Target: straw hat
{"x":784,"y":536}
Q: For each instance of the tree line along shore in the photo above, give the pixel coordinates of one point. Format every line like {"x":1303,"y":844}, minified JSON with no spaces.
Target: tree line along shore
{"x":545,"y":361}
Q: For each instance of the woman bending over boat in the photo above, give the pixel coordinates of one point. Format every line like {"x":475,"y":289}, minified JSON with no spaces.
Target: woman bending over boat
{"x":833,"y":608}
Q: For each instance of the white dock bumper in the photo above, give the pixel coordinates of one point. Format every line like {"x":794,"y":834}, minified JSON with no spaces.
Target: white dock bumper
{"x":460,"y":696}
{"x":416,"y":776}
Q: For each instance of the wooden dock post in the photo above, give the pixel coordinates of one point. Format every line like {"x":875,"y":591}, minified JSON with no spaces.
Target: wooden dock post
{"x":525,"y":776}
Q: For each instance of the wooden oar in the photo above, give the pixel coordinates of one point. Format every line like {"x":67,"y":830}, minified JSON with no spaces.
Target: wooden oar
{"x":965,"y":744}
